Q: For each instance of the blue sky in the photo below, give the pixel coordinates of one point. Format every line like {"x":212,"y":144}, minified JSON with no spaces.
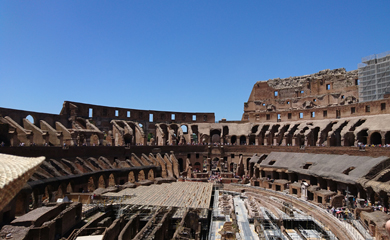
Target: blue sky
{"x":191,"y":56}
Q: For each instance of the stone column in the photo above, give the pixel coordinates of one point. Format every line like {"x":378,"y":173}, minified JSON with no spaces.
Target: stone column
{"x":284,"y":141}
{"x":294,"y":141}
{"x":256,"y":141}
{"x":275,"y":141}
{"x":265,"y":141}
{"x":247,"y":140}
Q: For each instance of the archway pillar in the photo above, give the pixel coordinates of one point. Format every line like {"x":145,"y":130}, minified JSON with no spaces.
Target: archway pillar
{"x":247,"y":140}
{"x":256,"y":141}
{"x":284,"y":141}
{"x":208,"y":164}
{"x":265,"y":141}
{"x":275,"y":141}
{"x":294,"y":141}
{"x":383,"y":141}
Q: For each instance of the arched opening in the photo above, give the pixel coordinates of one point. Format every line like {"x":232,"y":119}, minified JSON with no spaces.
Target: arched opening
{"x":313,"y":136}
{"x":387,"y":138}
{"x":102,"y":183}
{"x":131,"y":177}
{"x":349,"y":139}
{"x":376,"y":138}
{"x":128,"y":139}
{"x":31,"y":119}
{"x":231,"y":166}
{"x":111,"y":180}
{"x":215,"y":136}
{"x":197,"y":167}
{"x":225,"y":131}
{"x":242,"y":140}
{"x":233,"y":140}
{"x":4,"y":138}
{"x":181,"y":164}
{"x":60,"y":191}
{"x":151,"y":175}
{"x":362,"y":136}
{"x":69,"y":188}
{"x":91,"y":185}
{"x":194,"y":137}
{"x":184,"y":128}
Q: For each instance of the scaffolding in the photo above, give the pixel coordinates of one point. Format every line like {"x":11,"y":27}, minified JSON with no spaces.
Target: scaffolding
{"x":374,"y":77}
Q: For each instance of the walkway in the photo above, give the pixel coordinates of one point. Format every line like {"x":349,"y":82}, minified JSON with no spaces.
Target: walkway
{"x":247,"y":231}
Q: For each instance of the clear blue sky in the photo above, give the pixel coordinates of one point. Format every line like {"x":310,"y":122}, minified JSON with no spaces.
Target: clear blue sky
{"x":193,"y":56}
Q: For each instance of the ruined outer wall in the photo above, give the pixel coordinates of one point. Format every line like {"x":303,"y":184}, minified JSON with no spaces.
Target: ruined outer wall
{"x":18,"y":115}
{"x":320,"y":90}
{"x":331,"y":112}
{"x":102,"y":115}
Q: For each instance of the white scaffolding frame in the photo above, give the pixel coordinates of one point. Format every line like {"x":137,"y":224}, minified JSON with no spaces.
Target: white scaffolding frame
{"x":374,"y":77}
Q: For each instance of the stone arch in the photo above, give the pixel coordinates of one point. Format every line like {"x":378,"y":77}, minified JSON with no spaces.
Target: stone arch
{"x":313,"y":136}
{"x":194,"y":136}
{"x":184,"y":128}
{"x":197,"y":166}
{"x":173,"y":134}
{"x":243,"y":140}
{"x":128,"y":139}
{"x":61,"y":191}
{"x":349,"y":139}
{"x":362,"y":136}
{"x":111,"y":180}
{"x":131,"y":177}
{"x":69,"y":187}
{"x":91,"y":184}
{"x":225,"y":131}
{"x":31,"y":118}
{"x":141,"y":175}
{"x":375,"y":138}
{"x":215,"y":136}
{"x":151,"y":174}
{"x":233,"y":139}
{"x":101,"y":182}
